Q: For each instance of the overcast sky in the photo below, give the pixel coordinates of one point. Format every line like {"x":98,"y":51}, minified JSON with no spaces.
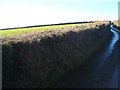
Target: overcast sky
{"x":19,"y":13}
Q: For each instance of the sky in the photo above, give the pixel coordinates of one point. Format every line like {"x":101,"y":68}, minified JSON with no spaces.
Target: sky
{"x":20,"y":13}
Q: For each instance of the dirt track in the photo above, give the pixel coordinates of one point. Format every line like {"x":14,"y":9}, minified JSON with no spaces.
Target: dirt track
{"x":99,"y":73}
{"x":108,"y":75}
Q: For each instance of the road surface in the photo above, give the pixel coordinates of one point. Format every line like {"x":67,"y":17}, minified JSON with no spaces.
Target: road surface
{"x":100,"y":72}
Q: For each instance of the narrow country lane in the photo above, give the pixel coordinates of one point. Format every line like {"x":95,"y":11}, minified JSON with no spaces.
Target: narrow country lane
{"x":100,"y":72}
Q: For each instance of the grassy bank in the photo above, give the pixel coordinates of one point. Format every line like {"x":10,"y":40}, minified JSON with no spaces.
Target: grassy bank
{"x":117,"y":24}
{"x":39,"y":59}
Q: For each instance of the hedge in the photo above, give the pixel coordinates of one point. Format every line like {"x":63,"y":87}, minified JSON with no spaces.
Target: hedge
{"x":39,"y":60}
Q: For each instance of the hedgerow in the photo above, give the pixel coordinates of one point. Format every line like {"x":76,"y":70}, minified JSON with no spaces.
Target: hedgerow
{"x":41,"y":59}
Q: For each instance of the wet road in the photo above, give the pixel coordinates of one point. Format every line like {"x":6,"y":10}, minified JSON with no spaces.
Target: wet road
{"x":100,"y":72}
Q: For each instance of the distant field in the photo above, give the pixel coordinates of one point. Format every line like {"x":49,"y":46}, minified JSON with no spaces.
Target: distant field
{"x":12,"y":33}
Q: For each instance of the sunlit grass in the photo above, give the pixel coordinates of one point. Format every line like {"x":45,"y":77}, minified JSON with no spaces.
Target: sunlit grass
{"x":117,"y":23}
{"x":22,"y":31}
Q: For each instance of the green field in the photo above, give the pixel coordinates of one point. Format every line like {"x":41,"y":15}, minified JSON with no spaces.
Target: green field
{"x":12,"y":33}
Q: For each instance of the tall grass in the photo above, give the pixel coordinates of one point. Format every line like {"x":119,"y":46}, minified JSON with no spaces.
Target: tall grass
{"x":41,"y":59}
